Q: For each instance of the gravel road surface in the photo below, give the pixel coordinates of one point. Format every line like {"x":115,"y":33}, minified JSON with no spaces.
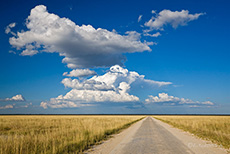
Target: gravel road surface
{"x":151,"y":136}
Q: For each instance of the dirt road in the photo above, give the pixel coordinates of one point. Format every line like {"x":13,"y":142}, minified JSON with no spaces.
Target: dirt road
{"x":151,"y":136}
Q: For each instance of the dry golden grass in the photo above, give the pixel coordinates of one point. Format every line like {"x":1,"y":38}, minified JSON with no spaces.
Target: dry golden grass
{"x":214,"y":128}
{"x":57,"y":134}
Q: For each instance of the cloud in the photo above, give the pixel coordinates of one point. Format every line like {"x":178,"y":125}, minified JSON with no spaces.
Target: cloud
{"x":81,"y":46}
{"x":6,"y":107}
{"x":173,"y":18}
{"x":153,"y":35}
{"x":18,"y":98}
{"x":55,"y":103}
{"x":9,"y":27}
{"x":139,"y":18}
{"x":208,"y":103}
{"x":13,"y":52}
{"x":80,"y":73}
{"x":29,"y":51}
{"x":111,"y":80}
{"x":113,"y":86}
{"x":79,"y":98}
{"x":164,"y":98}
{"x":194,"y":106}
{"x":76,"y":98}
{"x":118,"y":74}
{"x":25,"y":105}
{"x":86,"y":85}
{"x":153,"y":11}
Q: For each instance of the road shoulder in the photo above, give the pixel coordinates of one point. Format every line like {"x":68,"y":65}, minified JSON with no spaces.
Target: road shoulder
{"x":194,"y":143}
{"x":116,"y":142}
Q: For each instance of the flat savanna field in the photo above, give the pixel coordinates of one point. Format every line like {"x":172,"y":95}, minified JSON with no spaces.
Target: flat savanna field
{"x":57,"y":134}
{"x":212,"y":128}
{"x":74,"y":134}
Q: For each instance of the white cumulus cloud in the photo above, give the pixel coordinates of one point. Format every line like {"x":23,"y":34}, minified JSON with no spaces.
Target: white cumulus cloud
{"x":207,"y":103}
{"x":7,"y":107}
{"x":111,"y":80}
{"x":14,"y":98}
{"x":113,"y":86}
{"x":164,"y":98}
{"x":81,"y":46}
{"x":86,"y":85}
{"x":173,"y":18}
{"x":118,"y":74}
{"x":78,"y":98}
{"x":80,"y":73}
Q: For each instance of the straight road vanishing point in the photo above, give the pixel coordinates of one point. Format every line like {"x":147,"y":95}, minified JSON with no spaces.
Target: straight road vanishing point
{"x":151,"y":136}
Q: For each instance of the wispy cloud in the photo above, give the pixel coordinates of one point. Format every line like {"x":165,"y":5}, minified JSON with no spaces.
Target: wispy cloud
{"x":164,"y":98}
{"x":20,"y":105}
{"x":11,"y":51}
{"x":9,"y":27}
{"x":153,"y":35}
{"x":139,"y":18}
{"x":7,"y":107}
{"x":173,"y":18}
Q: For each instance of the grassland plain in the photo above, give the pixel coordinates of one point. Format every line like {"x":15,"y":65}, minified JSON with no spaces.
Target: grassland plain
{"x":213,"y":128}
{"x":57,"y":134}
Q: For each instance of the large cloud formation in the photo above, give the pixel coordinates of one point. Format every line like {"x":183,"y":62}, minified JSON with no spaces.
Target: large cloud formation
{"x":86,"y":47}
{"x":81,"y":46}
{"x":173,"y":18}
{"x":113,"y":86}
{"x":164,"y":98}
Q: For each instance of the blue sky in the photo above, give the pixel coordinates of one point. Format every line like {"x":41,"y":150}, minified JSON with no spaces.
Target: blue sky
{"x":186,"y":70}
